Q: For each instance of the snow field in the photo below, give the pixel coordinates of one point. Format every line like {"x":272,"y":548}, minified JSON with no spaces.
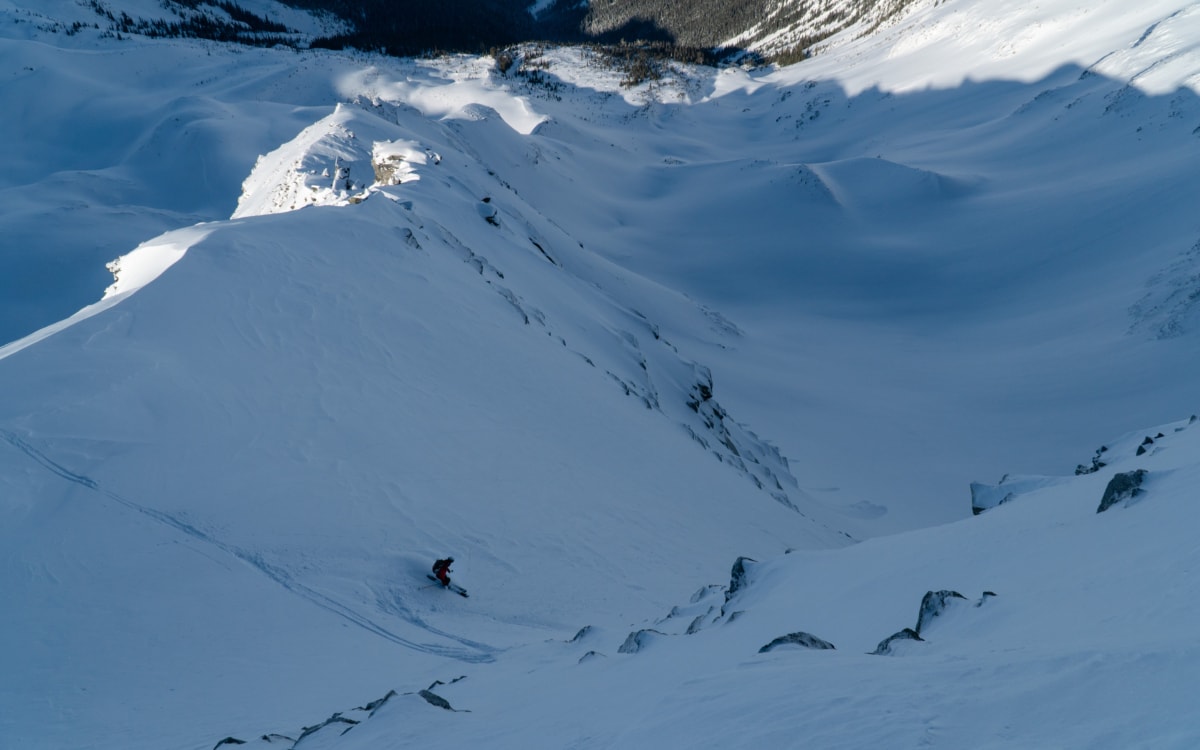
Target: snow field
{"x":738,"y":313}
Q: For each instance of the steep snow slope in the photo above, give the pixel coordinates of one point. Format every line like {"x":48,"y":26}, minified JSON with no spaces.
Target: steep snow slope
{"x":114,"y":143}
{"x":275,"y":423}
{"x":949,"y":252}
{"x":305,"y":410}
{"x":1041,"y":624}
{"x":222,"y":484}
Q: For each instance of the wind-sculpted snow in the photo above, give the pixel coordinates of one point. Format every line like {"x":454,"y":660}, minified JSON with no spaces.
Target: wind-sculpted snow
{"x":1002,"y":666}
{"x":339,"y":161}
{"x":303,"y":408}
{"x":333,"y":162}
{"x":597,"y":343}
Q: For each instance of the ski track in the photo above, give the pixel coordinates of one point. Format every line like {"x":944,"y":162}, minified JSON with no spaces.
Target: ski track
{"x":473,"y":651}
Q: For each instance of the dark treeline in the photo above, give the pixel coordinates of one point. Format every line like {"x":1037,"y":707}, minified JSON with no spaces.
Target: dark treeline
{"x":637,"y":30}
{"x":412,"y":27}
{"x":689,"y":29}
{"x":236,"y":25}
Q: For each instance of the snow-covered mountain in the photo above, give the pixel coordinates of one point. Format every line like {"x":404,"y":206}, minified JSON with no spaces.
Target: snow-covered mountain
{"x":286,"y":326}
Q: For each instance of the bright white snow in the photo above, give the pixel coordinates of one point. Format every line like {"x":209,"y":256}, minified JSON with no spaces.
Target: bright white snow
{"x":597,"y":343}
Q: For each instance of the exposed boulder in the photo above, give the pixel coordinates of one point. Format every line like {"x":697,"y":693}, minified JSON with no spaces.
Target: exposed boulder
{"x":387,"y":169}
{"x":933,"y":605}
{"x":229,"y":741}
{"x":738,"y":576}
{"x":374,"y":705}
{"x":335,"y":719}
{"x":1124,"y":486}
{"x":434,"y":699}
{"x":887,"y":645}
{"x":638,"y":641}
{"x":1141,"y":451}
{"x":1097,"y":463}
{"x":801,"y":639}
{"x":396,"y":162}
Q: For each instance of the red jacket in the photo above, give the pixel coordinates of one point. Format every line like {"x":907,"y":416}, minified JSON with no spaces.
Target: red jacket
{"x":441,"y":569}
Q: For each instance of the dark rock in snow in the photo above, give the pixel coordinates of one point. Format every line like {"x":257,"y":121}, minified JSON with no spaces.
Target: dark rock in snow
{"x":229,"y":741}
{"x":375,"y":704}
{"x":708,"y":590}
{"x":1097,"y":464}
{"x":335,"y":719}
{"x":675,"y":612}
{"x":583,"y":632}
{"x":933,"y":604}
{"x":738,"y":577}
{"x":804,"y":640}
{"x":696,"y":625}
{"x":1122,"y":487}
{"x":638,"y":641}
{"x":589,"y":656}
{"x":434,"y":699}
{"x":885,"y":646}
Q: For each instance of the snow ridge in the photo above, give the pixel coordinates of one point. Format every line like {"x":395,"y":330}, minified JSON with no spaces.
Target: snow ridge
{"x":596,"y":343}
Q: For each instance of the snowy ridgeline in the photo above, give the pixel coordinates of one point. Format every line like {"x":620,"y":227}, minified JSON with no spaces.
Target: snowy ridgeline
{"x":792,"y":650}
{"x":1123,"y":487}
{"x":360,"y":149}
{"x":461,"y":311}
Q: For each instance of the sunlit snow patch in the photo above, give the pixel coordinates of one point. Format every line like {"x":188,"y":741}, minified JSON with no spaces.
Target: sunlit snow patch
{"x":317,"y":167}
{"x":456,"y":88}
{"x":333,"y":162}
{"x":149,"y":260}
{"x":131,"y":272}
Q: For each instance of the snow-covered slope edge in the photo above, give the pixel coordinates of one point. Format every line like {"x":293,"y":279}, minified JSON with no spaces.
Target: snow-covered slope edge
{"x":226,"y":485}
{"x":1041,"y":623}
{"x":272,"y":440}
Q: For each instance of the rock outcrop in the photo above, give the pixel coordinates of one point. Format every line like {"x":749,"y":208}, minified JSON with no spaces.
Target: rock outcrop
{"x":934,"y":604}
{"x":887,"y":646}
{"x":800,"y":639}
{"x":738,"y":577}
{"x":638,"y":640}
{"x":1122,"y":487}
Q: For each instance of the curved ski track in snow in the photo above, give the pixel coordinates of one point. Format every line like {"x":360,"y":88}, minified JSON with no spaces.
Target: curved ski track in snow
{"x":472,"y":651}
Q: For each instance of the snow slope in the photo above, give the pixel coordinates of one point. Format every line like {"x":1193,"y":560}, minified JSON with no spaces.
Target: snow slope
{"x":597,"y":343}
{"x":1064,"y":629}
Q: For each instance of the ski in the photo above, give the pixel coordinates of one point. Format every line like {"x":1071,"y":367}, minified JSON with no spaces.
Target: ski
{"x":452,"y":587}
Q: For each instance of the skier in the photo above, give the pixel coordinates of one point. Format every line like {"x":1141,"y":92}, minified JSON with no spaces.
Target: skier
{"x":441,"y":569}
